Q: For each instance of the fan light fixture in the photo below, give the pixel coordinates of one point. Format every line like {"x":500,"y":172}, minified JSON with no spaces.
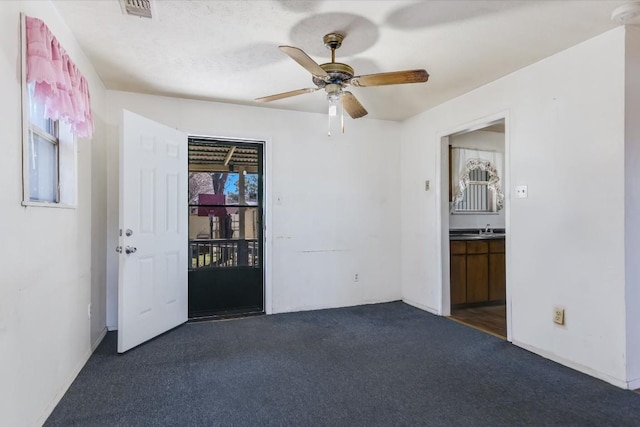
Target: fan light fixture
{"x":626,"y":14}
{"x":336,"y":113}
{"x":334,"y":77}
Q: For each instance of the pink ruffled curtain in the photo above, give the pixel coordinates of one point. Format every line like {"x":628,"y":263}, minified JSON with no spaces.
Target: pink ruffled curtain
{"x":58,"y":82}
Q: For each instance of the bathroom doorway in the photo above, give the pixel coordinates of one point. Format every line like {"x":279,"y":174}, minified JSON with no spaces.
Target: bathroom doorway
{"x":474,"y":227}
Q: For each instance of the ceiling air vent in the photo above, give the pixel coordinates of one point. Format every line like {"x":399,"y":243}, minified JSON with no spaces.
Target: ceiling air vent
{"x":140,"y":8}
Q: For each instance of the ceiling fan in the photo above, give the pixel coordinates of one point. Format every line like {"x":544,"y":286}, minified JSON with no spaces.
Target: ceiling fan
{"x":334,"y":77}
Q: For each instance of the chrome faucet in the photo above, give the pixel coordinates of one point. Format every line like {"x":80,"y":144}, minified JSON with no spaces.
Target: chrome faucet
{"x":488,"y":229}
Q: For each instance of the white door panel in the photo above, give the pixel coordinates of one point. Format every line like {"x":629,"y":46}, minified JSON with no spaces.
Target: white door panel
{"x":152,"y":285}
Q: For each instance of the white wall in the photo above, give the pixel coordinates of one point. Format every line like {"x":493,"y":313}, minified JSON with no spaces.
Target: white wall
{"x":339,"y":211}
{"x":632,"y":203}
{"x":51,"y":266}
{"x":565,"y":242}
{"x":480,"y":140}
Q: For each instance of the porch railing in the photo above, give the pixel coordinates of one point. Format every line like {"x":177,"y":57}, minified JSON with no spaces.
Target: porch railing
{"x":220,"y":253}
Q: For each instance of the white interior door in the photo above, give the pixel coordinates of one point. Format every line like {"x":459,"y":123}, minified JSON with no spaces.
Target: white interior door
{"x":152,"y":281}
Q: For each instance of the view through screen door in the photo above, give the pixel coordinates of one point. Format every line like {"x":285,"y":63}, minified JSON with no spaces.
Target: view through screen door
{"x":226,"y":274}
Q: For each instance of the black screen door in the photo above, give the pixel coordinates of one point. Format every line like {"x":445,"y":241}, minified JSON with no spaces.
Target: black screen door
{"x":226,"y":274}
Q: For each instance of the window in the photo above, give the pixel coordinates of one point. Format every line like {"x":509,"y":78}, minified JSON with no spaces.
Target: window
{"x":42,"y":148}
{"x":475,"y":181}
{"x":476,"y":196}
{"x":49,"y":157}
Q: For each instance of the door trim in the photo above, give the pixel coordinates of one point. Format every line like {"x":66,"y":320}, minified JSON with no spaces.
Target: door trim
{"x":267,"y":162}
{"x":442,"y":210}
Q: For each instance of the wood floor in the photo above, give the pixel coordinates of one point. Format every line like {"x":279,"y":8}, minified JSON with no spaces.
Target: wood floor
{"x":491,"y":319}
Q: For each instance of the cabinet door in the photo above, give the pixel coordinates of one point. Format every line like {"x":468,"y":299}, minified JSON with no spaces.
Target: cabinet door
{"x":477,"y":278}
{"x":458,"y":247}
{"x":496,"y":246}
{"x":478,"y":247}
{"x":458,"y":279}
{"x":497,"y":277}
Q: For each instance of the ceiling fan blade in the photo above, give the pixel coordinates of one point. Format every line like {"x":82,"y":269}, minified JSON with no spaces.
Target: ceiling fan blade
{"x":286,"y":94}
{"x":393,"y":78}
{"x":352,"y":106}
{"x":303,"y":59}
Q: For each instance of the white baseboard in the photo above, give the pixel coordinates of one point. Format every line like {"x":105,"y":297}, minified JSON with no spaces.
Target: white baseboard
{"x":634,"y":384}
{"x":422,"y":306}
{"x":576,"y":366}
{"x":70,"y":378}
{"x":98,"y":340}
{"x":297,"y":309}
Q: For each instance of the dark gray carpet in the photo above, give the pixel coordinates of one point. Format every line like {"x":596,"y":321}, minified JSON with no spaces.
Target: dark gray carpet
{"x":375,"y":365}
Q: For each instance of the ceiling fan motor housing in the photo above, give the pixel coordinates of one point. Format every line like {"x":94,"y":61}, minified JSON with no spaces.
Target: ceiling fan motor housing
{"x":338,"y":73}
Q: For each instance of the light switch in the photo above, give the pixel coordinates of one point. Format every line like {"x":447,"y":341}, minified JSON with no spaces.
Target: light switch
{"x":427,"y":184}
{"x":521,"y":192}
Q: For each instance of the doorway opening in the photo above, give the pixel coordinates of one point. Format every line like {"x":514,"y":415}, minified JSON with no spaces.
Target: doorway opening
{"x":226,"y":248}
{"x":474,"y":227}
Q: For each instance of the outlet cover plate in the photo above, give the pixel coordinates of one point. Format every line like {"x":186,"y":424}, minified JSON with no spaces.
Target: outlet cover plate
{"x":521,"y":192}
{"x":558,"y":315}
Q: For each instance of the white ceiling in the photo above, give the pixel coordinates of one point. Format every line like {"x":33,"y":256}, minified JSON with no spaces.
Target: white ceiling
{"x":228,"y":50}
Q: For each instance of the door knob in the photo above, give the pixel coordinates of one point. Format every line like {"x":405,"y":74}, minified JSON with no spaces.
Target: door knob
{"x":130,"y":249}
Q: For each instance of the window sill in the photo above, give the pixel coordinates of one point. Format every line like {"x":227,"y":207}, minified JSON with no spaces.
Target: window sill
{"x":48,"y":205}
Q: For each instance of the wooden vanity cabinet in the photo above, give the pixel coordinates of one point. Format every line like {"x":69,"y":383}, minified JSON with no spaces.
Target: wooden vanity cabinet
{"x":477,"y":273}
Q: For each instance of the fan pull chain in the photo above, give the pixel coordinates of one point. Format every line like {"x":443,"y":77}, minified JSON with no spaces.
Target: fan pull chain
{"x":342,"y":115}
{"x":334,"y":106}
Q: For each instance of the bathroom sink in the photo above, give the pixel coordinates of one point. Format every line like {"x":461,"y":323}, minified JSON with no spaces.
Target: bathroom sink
{"x":475,"y":236}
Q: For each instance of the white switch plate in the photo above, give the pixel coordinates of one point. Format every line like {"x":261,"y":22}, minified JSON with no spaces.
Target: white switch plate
{"x":521,"y":192}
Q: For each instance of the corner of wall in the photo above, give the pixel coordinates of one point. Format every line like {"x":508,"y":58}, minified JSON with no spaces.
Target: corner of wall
{"x":632,"y":204}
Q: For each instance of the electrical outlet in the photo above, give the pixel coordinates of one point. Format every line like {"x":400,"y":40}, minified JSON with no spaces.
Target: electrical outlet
{"x":356,"y":277}
{"x":558,"y":315}
{"x":522,"y":192}
{"x":89,"y":310}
